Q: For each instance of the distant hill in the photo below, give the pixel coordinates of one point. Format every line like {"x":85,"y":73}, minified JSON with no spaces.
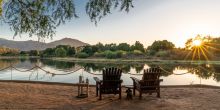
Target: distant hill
{"x":35,"y":45}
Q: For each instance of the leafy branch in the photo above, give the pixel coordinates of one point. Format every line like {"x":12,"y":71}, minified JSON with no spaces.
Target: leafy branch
{"x":41,"y":17}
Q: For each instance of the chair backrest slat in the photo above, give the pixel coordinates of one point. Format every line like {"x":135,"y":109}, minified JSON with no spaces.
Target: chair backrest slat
{"x":111,"y":78}
{"x":152,"y":74}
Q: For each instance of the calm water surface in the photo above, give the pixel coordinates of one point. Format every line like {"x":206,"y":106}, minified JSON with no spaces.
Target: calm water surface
{"x":69,"y":72}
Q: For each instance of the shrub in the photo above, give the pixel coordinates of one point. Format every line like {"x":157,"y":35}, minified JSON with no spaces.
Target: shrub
{"x":60,"y":52}
{"x":163,"y":54}
{"x":99,"y":54}
{"x":82,"y":55}
{"x":120,"y":53}
{"x":137,"y":52}
{"x":109,"y":54}
{"x":151,"y":52}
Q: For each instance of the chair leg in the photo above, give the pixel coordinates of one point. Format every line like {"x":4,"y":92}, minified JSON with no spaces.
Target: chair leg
{"x":134,"y":87}
{"x":100,"y":93}
{"x":140,"y":95}
{"x":100,"y":96}
{"x":133,"y":91}
{"x":97,"y":90}
{"x":158,"y":94}
{"x":120,"y":92}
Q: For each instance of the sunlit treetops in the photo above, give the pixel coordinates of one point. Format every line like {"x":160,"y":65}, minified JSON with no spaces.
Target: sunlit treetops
{"x":203,"y":47}
{"x":5,"y":50}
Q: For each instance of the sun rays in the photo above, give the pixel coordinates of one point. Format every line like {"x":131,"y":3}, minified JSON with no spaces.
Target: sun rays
{"x":201,"y":48}
{"x":197,"y":43}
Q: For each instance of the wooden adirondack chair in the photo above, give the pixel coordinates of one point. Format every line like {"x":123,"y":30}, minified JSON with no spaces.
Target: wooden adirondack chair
{"x":111,"y":83}
{"x":150,"y":82}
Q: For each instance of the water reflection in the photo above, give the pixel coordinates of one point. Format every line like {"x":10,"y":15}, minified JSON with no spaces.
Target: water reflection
{"x":68,"y":71}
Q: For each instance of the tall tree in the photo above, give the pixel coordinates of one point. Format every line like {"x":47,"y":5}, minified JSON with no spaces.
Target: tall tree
{"x":161,"y":45}
{"x":138,"y":46}
{"x":124,"y":47}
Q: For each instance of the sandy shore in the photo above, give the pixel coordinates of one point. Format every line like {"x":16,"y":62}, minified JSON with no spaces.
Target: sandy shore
{"x":62,"y":97}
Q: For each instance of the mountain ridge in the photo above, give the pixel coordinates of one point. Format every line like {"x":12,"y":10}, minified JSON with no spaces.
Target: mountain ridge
{"x":36,"y":45}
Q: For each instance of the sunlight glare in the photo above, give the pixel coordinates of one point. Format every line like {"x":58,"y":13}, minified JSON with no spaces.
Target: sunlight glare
{"x":197,"y":43}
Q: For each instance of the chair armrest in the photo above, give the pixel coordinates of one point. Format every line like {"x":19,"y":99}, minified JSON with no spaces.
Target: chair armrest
{"x":135,"y":79}
{"x":97,"y":80}
{"x":161,"y":80}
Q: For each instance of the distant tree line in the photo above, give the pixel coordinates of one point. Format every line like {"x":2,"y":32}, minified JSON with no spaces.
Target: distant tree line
{"x":162,"y":49}
{"x":58,"y":51}
{"x":112,"y":50}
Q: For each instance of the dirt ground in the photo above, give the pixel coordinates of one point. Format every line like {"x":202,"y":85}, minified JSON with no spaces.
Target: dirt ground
{"x":27,"y":96}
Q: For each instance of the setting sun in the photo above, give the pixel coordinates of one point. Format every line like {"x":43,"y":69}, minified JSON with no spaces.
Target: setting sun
{"x":197,"y":43}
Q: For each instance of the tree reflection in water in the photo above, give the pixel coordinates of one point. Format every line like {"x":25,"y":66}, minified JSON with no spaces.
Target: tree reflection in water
{"x":203,"y":71}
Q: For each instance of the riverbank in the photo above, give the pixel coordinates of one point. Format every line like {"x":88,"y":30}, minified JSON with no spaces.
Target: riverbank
{"x":149,"y":61}
{"x":103,"y":60}
{"x":62,"y":97}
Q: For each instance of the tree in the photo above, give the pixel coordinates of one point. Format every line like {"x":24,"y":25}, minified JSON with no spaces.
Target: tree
{"x":88,"y":50}
{"x":60,"y":52}
{"x":161,"y":45}
{"x":33,"y":53}
{"x":41,"y":17}
{"x":138,"y":46}
{"x":71,"y":51}
{"x":124,"y":47}
{"x":100,"y":47}
{"x":48,"y":52}
{"x":112,"y":47}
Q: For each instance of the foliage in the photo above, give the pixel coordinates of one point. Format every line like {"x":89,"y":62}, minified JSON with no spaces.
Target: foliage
{"x":161,"y":45}
{"x":33,"y":53}
{"x":70,"y":51}
{"x":114,"y":54}
{"x":8,"y":51}
{"x":100,"y":47}
{"x":151,"y":52}
{"x":82,"y":55}
{"x":214,"y":46}
{"x":60,"y":52}
{"x":88,"y":50}
{"x":41,"y":17}
{"x":124,"y":47}
{"x":111,"y":47}
{"x":49,"y":52}
{"x":99,"y":54}
{"x":110,"y":55}
{"x":137,"y":52}
{"x":163,"y":53}
{"x":97,"y":9}
{"x":23,"y":53}
{"x":138,"y":46}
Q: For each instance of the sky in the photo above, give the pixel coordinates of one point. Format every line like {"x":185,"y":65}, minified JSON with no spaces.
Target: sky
{"x":149,"y":20}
